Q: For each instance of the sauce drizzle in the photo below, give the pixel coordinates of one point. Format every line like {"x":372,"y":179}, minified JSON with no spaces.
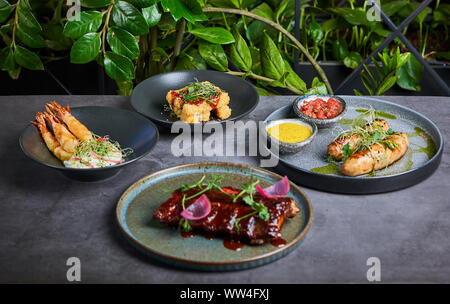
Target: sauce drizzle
{"x":278,"y":242}
{"x":186,"y":234}
{"x":233,"y":245}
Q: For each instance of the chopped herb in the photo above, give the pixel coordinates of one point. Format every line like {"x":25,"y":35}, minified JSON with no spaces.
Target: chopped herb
{"x":347,"y":151}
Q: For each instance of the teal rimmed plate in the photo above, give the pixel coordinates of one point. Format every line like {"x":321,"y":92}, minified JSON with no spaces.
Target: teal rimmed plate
{"x":137,"y":204}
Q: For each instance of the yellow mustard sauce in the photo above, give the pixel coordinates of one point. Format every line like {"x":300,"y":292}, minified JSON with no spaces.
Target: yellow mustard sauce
{"x":289,"y":132}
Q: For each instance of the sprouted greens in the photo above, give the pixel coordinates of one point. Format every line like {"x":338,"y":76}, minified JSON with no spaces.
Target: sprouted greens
{"x":214,"y":184}
{"x":368,"y":135}
{"x":98,"y":152}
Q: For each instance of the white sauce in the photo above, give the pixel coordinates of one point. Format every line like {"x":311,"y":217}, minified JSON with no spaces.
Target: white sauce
{"x":95,"y":162}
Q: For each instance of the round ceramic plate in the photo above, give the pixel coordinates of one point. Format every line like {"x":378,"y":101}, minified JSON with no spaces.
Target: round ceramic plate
{"x":128,"y":128}
{"x":136,"y":206}
{"x":149,"y":97}
{"x":310,"y":168}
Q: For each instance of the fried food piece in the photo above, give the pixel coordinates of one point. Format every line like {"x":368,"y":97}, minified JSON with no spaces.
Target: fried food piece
{"x":74,"y":125}
{"x":66,"y":139}
{"x":194,"y":103}
{"x":335,"y":149}
{"x":50,"y":141}
{"x":379,"y":156}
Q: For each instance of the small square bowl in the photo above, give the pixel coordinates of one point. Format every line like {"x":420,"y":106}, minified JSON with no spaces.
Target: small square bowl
{"x":321,"y":123}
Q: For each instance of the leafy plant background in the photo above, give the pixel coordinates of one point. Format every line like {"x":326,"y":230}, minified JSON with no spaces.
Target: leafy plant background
{"x":135,"y":39}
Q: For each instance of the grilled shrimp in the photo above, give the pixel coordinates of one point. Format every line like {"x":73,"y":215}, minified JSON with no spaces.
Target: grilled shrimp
{"x":74,"y":125}
{"x":66,"y":139}
{"x":50,"y":140}
{"x":378,"y":157}
{"x":335,"y":149}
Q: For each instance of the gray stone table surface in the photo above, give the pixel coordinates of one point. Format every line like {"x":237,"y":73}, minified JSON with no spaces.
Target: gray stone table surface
{"x":46,"y":218}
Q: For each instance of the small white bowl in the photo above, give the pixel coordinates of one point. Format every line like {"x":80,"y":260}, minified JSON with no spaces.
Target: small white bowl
{"x":285,"y":147}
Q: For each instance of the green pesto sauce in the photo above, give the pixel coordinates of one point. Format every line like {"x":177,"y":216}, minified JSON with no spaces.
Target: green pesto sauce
{"x":379,"y":113}
{"x":328,"y":169}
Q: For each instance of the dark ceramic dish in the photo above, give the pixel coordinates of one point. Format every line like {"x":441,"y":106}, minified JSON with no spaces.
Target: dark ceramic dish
{"x":149,"y":97}
{"x":128,"y":128}
{"x":137,"y":204}
{"x":320,"y":123}
{"x":311,"y":169}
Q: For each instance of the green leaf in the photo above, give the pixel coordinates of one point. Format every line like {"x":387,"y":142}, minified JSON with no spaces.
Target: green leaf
{"x":334,"y":24}
{"x":90,"y":21}
{"x":118,"y":67}
{"x":125,"y":88}
{"x":255,"y":31}
{"x":127,"y":16}
{"x":339,"y":49}
{"x":29,"y":38}
{"x":392,"y":7}
{"x":8,"y":63}
{"x":14,"y":73}
{"x":240,"y":53}
{"x":366,"y":82}
{"x":95,"y":3}
{"x":27,"y":59}
{"x":445,"y":55}
{"x":316,"y":31}
{"x":271,"y":60}
{"x":216,"y":35}
{"x":5,"y":10}
{"x":26,"y":17}
{"x":317,"y":87}
{"x":355,"y":16}
{"x":214,"y":56}
{"x":152,"y":15}
{"x":189,"y":10}
{"x":56,"y":40}
{"x":143,"y":3}
{"x":353,"y":60}
{"x":264,"y":92}
{"x":122,"y":42}
{"x":86,"y":48}
{"x":263,"y":10}
{"x":191,"y":61}
{"x":410,"y":74}
{"x":293,"y":79}
{"x":386,"y":85}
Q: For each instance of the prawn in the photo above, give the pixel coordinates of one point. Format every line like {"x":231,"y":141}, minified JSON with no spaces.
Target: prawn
{"x":49,"y":139}
{"x":66,"y":139}
{"x":74,"y":125}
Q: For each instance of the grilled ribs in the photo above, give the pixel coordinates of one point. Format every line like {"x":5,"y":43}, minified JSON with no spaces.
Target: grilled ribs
{"x":222,"y":217}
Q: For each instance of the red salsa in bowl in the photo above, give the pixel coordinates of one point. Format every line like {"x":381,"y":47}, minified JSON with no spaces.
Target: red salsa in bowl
{"x":321,"y":108}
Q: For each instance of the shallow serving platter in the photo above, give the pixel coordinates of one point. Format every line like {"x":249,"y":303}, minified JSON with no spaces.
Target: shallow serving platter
{"x":149,"y":97}
{"x":310,"y":168}
{"x":137,"y":204}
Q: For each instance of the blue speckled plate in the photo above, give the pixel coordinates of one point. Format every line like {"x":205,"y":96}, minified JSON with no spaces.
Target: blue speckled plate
{"x":136,"y":206}
{"x":310,"y":168}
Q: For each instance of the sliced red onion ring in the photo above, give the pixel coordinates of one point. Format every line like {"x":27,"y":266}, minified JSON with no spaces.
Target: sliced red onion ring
{"x":277,"y":190}
{"x":99,"y":157}
{"x":198,"y":210}
{"x":83,"y":162}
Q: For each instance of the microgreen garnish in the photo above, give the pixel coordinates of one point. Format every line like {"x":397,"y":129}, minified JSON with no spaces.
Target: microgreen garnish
{"x":100,"y":147}
{"x":347,"y":151}
{"x":184,"y":224}
{"x":199,"y":91}
{"x":368,"y":135}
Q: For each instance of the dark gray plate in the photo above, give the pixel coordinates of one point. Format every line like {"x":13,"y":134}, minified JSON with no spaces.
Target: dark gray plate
{"x":128,"y":128}
{"x":149,"y":97}
{"x":309,"y":167}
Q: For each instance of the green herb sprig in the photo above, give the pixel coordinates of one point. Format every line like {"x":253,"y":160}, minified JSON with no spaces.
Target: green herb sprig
{"x":199,"y":91}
